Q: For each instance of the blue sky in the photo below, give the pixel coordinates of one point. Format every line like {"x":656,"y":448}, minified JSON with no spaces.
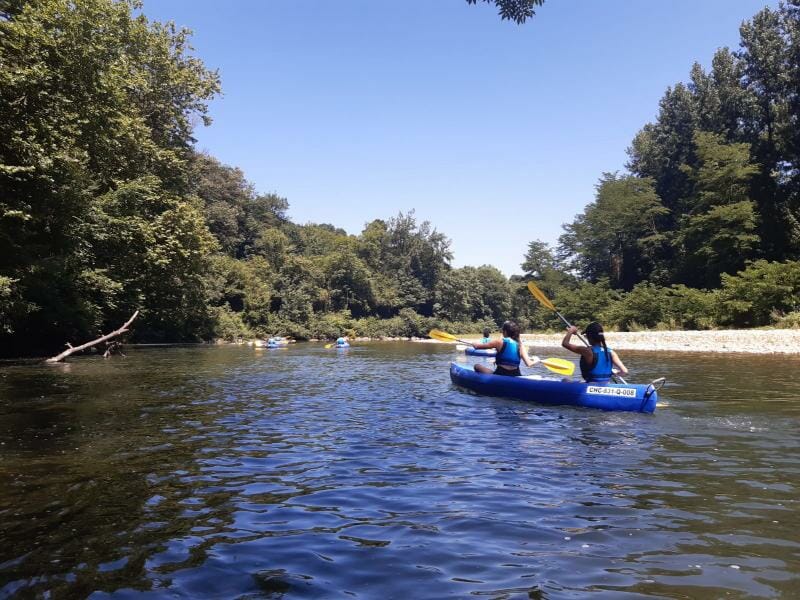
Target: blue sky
{"x":495,"y":133}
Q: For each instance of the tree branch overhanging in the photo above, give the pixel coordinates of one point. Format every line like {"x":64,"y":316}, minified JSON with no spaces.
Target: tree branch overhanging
{"x":518,"y":11}
{"x":72,"y":350}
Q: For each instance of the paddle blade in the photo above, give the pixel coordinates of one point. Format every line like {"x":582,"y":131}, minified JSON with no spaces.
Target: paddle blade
{"x":442,"y":336}
{"x":559,"y":365}
{"x":539,"y":295}
{"x":328,"y":346}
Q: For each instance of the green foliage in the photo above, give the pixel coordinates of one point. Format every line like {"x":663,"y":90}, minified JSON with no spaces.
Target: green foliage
{"x":229,"y":326}
{"x":689,"y":308}
{"x":718,"y":232}
{"x":105,"y":208}
{"x":645,"y":306}
{"x":617,"y":236}
{"x":518,"y":11}
{"x":751,"y":296}
{"x":585,"y":302}
{"x":788,"y":321}
{"x":731,"y":136}
{"x":95,"y":105}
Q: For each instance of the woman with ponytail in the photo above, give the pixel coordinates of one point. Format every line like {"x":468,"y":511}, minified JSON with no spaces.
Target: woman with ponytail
{"x":510,"y":352}
{"x":597,"y":360}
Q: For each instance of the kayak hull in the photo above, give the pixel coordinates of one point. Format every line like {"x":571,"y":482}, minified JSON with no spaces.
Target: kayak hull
{"x":619,"y":397}
{"x":479,"y":352}
{"x":340,"y":346}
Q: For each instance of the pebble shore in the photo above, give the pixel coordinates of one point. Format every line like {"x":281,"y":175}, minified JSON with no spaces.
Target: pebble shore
{"x":745,"y":341}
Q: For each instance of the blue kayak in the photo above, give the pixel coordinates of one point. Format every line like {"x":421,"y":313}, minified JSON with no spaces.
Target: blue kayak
{"x":345,"y":345}
{"x":469,"y":351}
{"x":631,"y":397}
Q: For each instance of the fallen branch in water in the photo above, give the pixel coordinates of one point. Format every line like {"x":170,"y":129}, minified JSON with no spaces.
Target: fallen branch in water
{"x":113,"y":348}
{"x":71,"y":350}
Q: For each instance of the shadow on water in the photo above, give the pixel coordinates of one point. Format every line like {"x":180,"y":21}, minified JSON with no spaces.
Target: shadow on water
{"x":306,"y":472}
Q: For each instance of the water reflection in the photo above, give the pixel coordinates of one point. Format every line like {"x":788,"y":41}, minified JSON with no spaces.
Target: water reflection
{"x":226,"y":472}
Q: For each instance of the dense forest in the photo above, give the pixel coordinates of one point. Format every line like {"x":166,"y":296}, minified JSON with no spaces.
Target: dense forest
{"x":106,"y":207}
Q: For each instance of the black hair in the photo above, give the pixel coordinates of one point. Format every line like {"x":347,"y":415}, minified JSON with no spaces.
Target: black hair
{"x":511,"y":329}
{"x":486,"y":332}
{"x":594,"y":332}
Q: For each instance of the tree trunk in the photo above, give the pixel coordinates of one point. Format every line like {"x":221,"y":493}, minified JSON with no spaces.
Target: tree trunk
{"x":71,"y":350}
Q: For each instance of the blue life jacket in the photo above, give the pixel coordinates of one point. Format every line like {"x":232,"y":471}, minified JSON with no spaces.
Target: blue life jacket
{"x":509,"y":354}
{"x":600,"y":369}
{"x":485,"y":340}
{"x":340,"y":342}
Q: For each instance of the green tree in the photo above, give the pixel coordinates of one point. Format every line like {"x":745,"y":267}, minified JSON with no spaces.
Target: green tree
{"x":752,"y":296}
{"x":457,"y":295}
{"x":617,"y":236}
{"x":540,"y":261}
{"x":659,"y":149}
{"x":717,"y":234}
{"x":495,"y":294}
{"x":92,"y":99}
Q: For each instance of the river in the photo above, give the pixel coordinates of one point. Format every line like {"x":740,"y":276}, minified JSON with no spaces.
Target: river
{"x":235,"y":472}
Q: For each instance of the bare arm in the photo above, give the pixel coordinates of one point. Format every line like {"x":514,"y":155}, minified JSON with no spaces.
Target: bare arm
{"x":494,"y":344}
{"x":584,"y":351}
{"x":523,"y":354}
{"x":618,"y":363}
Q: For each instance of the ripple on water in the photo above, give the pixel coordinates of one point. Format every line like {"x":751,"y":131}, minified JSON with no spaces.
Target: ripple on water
{"x":223,"y":472}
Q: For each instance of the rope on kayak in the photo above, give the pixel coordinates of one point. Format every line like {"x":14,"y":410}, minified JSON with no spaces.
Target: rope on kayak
{"x":652,"y":388}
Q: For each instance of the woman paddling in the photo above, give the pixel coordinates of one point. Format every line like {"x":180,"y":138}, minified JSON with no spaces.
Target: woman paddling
{"x":597,"y":360}
{"x":509,"y":352}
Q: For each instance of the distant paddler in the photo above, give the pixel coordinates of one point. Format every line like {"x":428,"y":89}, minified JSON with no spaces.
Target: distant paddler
{"x":341,"y":342}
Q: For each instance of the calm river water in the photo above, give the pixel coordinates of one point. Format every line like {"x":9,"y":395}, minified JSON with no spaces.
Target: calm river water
{"x":232,"y":472}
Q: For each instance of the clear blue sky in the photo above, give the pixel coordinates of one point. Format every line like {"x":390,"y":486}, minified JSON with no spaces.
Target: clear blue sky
{"x":496,"y":133}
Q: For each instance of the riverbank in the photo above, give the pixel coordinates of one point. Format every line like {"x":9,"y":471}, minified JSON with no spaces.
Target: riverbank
{"x":746,"y":341}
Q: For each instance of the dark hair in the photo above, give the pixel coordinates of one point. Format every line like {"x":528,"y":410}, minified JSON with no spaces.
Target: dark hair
{"x":511,"y":329}
{"x":486,"y":332}
{"x":594,"y":332}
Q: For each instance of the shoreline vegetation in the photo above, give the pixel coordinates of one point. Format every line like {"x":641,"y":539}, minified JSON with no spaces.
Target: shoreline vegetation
{"x":107,"y":207}
{"x":722,"y":341}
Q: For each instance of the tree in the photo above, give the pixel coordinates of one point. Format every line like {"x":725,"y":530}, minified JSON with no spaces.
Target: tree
{"x":659,"y":149}
{"x":752,"y":296}
{"x":91,"y":99}
{"x":617,"y":236}
{"x":717,"y":232}
{"x":540,"y":260}
{"x":495,"y":294}
{"x":457,"y":295}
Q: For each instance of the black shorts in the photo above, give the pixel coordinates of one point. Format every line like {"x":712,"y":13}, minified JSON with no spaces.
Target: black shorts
{"x":513,"y":373}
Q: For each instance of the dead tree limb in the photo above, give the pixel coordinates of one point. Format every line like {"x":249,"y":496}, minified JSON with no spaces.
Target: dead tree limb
{"x":113,"y":348}
{"x":72,"y":350}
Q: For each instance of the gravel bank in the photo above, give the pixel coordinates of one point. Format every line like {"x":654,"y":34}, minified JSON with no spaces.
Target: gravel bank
{"x":748,"y":341}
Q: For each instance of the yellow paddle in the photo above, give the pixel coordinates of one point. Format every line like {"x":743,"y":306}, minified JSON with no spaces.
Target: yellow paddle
{"x":557,"y":365}
{"x":545,"y":301}
{"x":443,"y":336}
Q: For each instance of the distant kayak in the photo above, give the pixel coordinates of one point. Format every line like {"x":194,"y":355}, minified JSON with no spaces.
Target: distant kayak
{"x":628,"y":397}
{"x":345,"y":345}
{"x":272,"y":343}
{"x":470,"y":351}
